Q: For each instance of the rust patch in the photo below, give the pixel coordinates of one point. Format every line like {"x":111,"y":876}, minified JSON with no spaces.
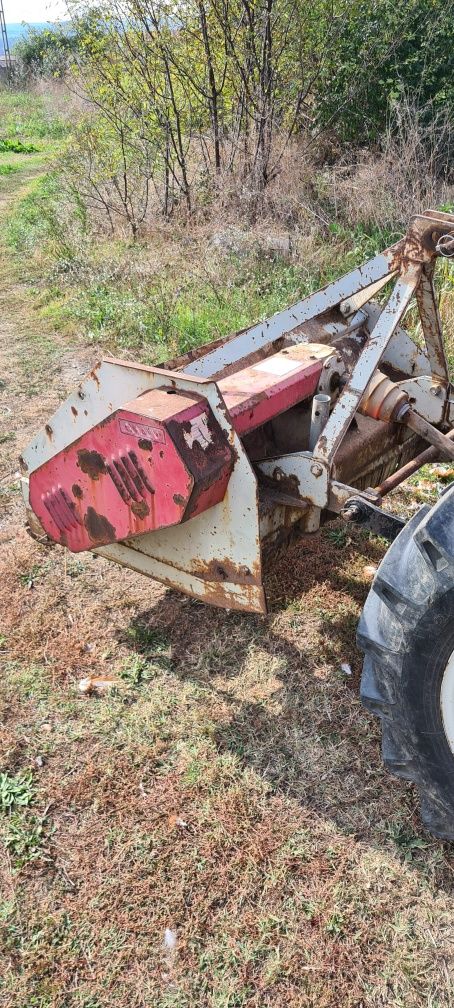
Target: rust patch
{"x":178,"y":499}
{"x":218,"y":594}
{"x":49,"y":432}
{"x":288,"y":484}
{"x":74,"y":411}
{"x":145,"y":444}
{"x":322,"y":442}
{"x":224,"y":570}
{"x":94,"y":375}
{"x":98,"y":527}
{"x":140,"y":509}
{"x":91,"y":463}
{"x":77,"y":491}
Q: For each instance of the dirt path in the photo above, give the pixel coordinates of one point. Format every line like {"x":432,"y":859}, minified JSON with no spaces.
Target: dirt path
{"x":35,"y":366}
{"x":38,"y":368}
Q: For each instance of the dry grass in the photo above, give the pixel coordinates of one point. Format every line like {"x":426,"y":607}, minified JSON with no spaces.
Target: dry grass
{"x":412,"y":173}
{"x":235,"y":797}
{"x":229,"y":788}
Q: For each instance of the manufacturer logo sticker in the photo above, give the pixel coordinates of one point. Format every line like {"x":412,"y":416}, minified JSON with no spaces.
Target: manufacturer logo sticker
{"x":142,"y":430}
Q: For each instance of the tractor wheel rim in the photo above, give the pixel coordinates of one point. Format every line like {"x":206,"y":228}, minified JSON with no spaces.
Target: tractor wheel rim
{"x":447,"y":702}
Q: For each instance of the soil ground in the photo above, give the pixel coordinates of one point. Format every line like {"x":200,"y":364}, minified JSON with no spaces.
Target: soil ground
{"x":217,"y":831}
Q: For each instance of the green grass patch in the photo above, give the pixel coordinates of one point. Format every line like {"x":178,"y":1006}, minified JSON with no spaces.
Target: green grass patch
{"x":25,"y":116}
{"x":8,"y":169}
{"x":165,"y":317}
{"x":16,"y":147}
{"x":24,"y":838}
{"x":33,"y":220}
{"x":136,"y":670}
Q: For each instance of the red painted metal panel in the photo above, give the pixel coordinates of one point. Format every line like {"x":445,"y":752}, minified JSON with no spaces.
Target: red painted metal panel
{"x":162,"y":458}
{"x":263,"y":390}
{"x":130,"y":474}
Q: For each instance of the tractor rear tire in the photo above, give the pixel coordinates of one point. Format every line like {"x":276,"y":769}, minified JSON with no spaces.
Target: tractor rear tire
{"x":407,"y":633}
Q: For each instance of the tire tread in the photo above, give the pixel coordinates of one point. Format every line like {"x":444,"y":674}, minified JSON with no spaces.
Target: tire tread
{"x":405,"y":586}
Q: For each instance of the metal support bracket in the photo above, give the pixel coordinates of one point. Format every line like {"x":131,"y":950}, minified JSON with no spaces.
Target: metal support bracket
{"x":361,"y":512}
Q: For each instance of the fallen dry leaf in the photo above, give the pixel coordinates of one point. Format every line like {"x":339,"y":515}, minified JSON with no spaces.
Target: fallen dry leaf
{"x":96,"y":684}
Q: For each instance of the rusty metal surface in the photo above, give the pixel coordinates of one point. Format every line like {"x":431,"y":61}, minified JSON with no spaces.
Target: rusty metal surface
{"x":368,"y":515}
{"x":401,"y":358}
{"x":431,"y":324}
{"x":423,"y":234}
{"x":424,"y":458}
{"x":383,"y":399}
{"x":429,"y":433}
{"x":257,"y":393}
{"x":114,"y":483}
{"x":214,"y":556}
{"x":345,"y":408}
{"x":371,"y":451}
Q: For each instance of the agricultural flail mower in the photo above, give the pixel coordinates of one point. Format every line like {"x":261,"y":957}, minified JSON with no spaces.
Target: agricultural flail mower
{"x":201,"y":472}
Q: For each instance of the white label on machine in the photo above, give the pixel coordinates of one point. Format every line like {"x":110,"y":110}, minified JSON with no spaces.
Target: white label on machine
{"x":277,"y":365}
{"x":199,"y":431}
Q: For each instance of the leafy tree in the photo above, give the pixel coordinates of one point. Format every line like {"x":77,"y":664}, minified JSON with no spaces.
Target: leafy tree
{"x":383,"y":50}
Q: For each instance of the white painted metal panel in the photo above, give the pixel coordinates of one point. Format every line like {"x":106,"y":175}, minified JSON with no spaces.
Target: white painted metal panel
{"x":363,"y":370}
{"x":311,"y":475}
{"x":263,"y":333}
{"x":401,"y":352}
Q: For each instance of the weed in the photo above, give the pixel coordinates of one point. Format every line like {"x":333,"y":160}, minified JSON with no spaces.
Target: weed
{"x":28,"y":578}
{"x":74,"y":567}
{"x":308,"y":908}
{"x":153,"y":654}
{"x":406,"y":841}
{"x":335,"y":925}
{"x":136,"y":670}
{"x":24,"y":838}
{"x":16,"y":791}
{"x":8,"y":169}
{"x":16,"y":147}
{"x":338,"y":536}
{"x":147,"y":640}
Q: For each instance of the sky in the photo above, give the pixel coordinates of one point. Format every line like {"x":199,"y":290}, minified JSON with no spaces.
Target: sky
{"x":33,"y":10}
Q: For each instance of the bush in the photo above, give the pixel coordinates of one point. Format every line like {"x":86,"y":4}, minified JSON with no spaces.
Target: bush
{"x":16,"y":147}
{"x":45,"y":52}
{"x":382,"y":50}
